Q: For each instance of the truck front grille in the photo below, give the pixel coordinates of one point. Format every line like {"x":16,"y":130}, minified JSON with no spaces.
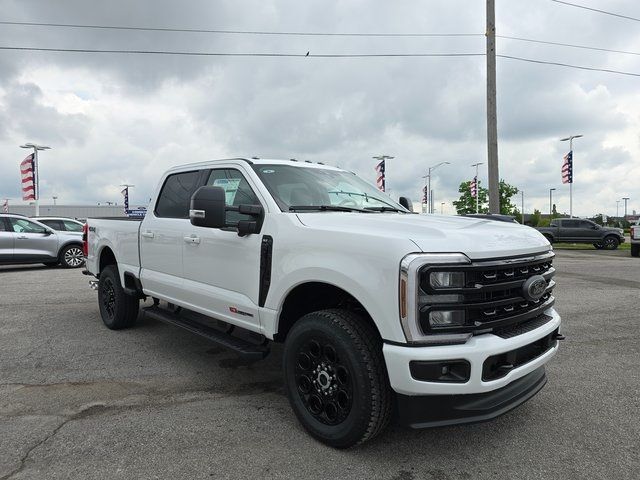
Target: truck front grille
{"x":492,"y":296}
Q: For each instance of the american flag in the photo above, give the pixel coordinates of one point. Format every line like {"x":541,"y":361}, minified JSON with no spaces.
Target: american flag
{"x":567,"y":168}
{"x":5,"y":206}
{"x":125,"y":192}
{"x":27,"y":172}
{"x":425,"y":196}
{"x":474,"y":187}
{"x":380,"y":178}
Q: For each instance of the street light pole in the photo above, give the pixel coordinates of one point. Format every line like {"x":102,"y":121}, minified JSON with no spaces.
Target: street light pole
{"x":570,"y":138}
{"x":550,"y":202}
{"x":617,"y":207}
{"x":54,"y":200}
{"x":442,"y":208}
{"x":380,"y":158}
{"x":431,"y":169}
{"x":626,"y":199}
{"x":36,"y":176}
{"x":492,"y":122}
{"x":522,"y":193}
{"x":477,"y":186}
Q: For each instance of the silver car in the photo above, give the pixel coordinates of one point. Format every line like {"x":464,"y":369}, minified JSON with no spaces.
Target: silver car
{"x":25,"y":240}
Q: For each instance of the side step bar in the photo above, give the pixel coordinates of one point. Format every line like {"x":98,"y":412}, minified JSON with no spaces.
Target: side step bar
{"x":244,"y":348}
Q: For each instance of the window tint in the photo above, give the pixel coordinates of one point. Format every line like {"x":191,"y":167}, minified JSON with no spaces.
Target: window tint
{"x":3,"y":226}
{"x":585,"y":224}
{"x":55,"y":224}
{"x":72,"y":226}
{"x":21,"y":225}
{"x":175,"y":196}
{"x":571,"y":223}
{"x":237,"y":191}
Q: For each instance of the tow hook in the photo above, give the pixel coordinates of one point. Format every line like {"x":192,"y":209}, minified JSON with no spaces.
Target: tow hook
{"x":559,"y":337}
{"x":93,"y":284}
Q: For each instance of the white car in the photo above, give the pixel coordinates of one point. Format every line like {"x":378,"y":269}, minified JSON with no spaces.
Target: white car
{"x":446,"y":319}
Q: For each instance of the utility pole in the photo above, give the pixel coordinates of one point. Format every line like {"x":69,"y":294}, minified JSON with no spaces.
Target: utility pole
{"x":626,"y":199}
{"x":522,"y":213}
{"x":570,"y":138}
{"x":384,"y":158}
{"x":36,"y":175}
{"x":551,"y":203}
{"x":617,"y":207}
{"x":428,"y":176}
{"x":54,"y":199}
{"x":492,"y":118}
{"x":477,"y":186}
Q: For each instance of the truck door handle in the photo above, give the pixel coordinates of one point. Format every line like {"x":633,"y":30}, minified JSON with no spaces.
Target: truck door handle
{"x":147,"y":234}
{"x":192,"y":239}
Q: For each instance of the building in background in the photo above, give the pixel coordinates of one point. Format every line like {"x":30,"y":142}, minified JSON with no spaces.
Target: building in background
{"x":81,"y":212}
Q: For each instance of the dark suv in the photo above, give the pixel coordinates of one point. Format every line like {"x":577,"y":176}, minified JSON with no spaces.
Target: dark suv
{"x":579,"y":230}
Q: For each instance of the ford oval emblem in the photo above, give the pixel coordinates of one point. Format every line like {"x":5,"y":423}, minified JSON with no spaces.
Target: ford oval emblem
{"x":534,"y":287}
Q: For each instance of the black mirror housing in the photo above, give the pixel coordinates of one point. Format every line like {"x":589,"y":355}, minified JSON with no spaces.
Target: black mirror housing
{"x":208,"y":207}
{"x":406,"y":203}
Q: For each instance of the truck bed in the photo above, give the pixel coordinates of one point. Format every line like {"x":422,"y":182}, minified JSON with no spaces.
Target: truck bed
{"x":120,"y":235}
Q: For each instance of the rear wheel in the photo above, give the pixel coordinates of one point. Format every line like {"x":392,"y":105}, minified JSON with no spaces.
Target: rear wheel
{"x":72,"y":256}
{"x":336,"y":378}
{"x":117,"y":309}
{"x":610,"y":242}
{"x":635,"y":250}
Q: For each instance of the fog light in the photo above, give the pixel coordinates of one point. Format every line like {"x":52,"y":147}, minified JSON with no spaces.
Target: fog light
{"x":446,"y":371}
{"x":447,"y":279}
{"x":446,"y":318}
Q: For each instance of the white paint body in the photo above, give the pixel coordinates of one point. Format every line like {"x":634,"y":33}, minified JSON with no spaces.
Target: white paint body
{"x":359,"y":253}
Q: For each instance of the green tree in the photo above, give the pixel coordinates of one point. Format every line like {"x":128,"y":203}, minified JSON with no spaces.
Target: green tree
{"x":467,"y":204}
{"x":535,"y":218}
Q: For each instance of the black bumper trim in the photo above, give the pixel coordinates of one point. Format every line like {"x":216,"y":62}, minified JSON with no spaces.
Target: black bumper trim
{"x":442,"y":410}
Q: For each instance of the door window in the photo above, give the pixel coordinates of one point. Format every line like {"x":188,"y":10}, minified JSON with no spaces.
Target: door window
{"x":237,"y":191}
{"x":55,"y":224}
{"x":571,"y":223}
{"x":70,"y":226}
{"x":21,"y":225}
{"x":175,"y":196}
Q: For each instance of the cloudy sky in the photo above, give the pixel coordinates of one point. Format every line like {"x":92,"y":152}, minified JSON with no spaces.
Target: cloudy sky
{"x":113,"y":118}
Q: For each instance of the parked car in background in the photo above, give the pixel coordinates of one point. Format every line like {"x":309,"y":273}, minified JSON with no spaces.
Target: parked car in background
{"x":635,"y":239}
{"x":25,"y":240}
{"x":62,"y":224}
{"x":579,"y":230}
{"x":493,"y":216}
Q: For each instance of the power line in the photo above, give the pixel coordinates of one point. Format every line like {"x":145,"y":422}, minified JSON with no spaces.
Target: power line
{"x":240,"y":54}
{"x":241,"y":32}
{"x":560,"y":64}
{"x":585,"y":47}
{"x":584,"y":7}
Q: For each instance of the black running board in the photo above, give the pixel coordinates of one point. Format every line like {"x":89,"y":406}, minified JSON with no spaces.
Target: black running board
{"x":244,"y":348}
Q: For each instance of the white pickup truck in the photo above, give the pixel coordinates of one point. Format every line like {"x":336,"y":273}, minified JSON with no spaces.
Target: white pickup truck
{"x":433,"y":320}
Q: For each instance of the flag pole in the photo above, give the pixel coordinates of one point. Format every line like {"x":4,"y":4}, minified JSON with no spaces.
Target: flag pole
{"x":477,"y":186}
{"x":570,"y":138}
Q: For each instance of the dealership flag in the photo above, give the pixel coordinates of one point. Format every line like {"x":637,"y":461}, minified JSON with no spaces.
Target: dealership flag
{"x":474,"y":187}
{"x":425,"y":196}
{"x":5,"y":206}
{"x":567,"y":168}
{"x":380,"y":178}
{"x":125,"y":192}
{"x":27,"y":172}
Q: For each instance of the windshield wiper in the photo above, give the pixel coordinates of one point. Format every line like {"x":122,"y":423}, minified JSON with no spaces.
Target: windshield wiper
{"x":325,"y":208}
{"x":385,"y":209}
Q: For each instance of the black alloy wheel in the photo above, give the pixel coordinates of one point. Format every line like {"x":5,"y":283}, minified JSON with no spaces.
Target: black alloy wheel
{"x":611,"y":242}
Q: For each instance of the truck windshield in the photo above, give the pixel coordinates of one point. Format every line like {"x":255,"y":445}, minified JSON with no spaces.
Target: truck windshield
{"x":324,"y":188}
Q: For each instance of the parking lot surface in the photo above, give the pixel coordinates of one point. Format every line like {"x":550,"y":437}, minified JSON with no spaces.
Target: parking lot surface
{"x":80,"y":401}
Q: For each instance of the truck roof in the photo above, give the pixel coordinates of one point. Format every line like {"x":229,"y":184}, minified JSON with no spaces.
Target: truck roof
{"x":256,"y":161}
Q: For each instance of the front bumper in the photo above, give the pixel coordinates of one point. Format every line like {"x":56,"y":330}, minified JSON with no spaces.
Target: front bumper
{"x":438,"y":410}
{"x":475,"y":351}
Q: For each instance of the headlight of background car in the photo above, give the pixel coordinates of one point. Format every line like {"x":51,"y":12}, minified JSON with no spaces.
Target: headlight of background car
{"x":446,"y":280}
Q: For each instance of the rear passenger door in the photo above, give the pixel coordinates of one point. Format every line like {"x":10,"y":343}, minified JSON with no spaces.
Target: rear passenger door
{"x":6,"y":241}
{"x":569,"y":230}
{"x":161,"y":236}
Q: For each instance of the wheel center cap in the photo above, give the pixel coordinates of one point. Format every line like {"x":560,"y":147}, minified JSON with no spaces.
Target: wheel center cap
{"x":324,"y":380}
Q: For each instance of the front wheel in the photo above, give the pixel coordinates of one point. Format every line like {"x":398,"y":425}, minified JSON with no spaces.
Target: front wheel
{"x":336,"y":378}
{"x":117,"y":309}
{"x":611,"y":242}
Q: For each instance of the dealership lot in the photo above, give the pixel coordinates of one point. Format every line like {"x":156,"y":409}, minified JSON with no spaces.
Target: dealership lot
{"x":80,"y":401}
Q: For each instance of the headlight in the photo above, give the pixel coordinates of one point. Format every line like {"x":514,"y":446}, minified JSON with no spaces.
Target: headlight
{"x":446,"y":318}
{"x":446,"y":279}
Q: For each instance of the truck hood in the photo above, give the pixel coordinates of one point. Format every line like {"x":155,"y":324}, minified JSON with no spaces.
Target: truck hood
{"x":477,"y":238}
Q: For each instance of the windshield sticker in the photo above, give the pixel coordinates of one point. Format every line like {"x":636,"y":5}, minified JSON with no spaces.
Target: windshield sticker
{"x":268,"y":171}
{"x":230,"y":186}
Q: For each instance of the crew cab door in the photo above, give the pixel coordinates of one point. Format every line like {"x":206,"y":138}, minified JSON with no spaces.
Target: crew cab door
{"x":6,"y":241}
{"x":222,"y":269}
{"x":33,"y":241}
{"x":161,"y":236}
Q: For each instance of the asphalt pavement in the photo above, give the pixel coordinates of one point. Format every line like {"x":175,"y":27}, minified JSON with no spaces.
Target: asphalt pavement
{"x":78,"y":401}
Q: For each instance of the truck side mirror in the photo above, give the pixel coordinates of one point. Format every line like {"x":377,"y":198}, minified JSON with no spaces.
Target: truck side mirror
{"x":406,"y":203}
{"x":208,"y":207}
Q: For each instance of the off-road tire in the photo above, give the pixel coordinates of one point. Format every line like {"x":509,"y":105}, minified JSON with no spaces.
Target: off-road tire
{"x":358,"y":351}
{"x":635,"y":250}
{"x":610,"y":242}
{"x":117,"y":309}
